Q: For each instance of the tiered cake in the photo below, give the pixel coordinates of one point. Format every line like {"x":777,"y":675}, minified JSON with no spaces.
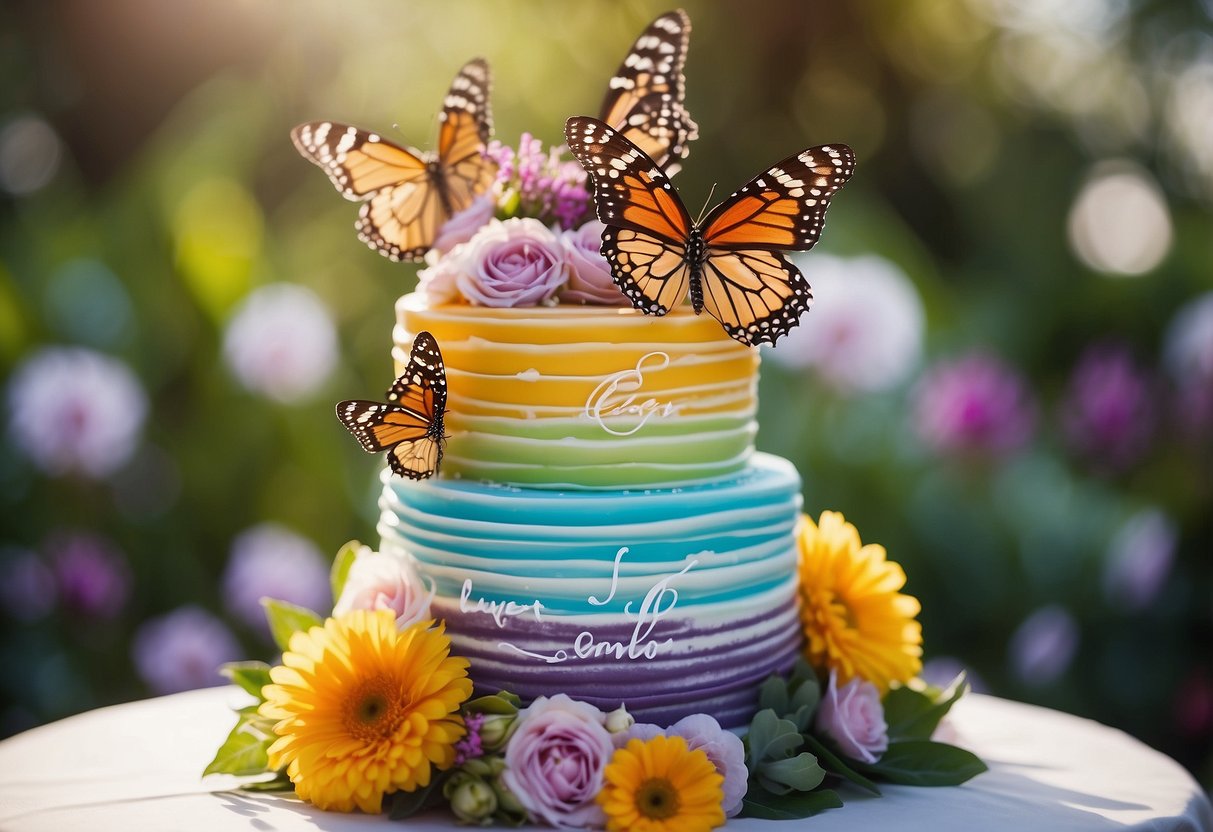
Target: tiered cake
{"x":602,"y":526}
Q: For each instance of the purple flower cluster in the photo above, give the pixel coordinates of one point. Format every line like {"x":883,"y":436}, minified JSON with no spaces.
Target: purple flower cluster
{"x":1108,"y":414}
{"x":470,"y":747}
{"x":540,"y":184}
{"x":974,"y":404}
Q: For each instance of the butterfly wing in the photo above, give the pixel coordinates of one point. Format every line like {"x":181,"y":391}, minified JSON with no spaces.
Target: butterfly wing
{"x":467,"y":125}
{"x":410,"y":426}
{"x":746,"y":284}
{"x":647,"y":224}
{"x":644,"y":97}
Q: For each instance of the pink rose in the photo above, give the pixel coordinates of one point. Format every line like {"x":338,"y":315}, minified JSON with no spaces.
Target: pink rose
{"x":554,"y":762}
{"x":382,"y":582}
{"x":854,"y":718}
{"x":462,"y":226}
{"x":589,"y":272}
{"x":724,"y":748}
{"x":518,"y":262}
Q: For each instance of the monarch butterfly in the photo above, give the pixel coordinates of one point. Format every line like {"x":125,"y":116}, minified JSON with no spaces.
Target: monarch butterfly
{"x":731,"y":261}
{"x":644,"y":98}
{"x":406,"y":194}
{"x":409,"y":427}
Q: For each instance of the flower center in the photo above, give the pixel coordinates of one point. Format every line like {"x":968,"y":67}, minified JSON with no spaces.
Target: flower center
{"x":373,"y":711}
{"x":657,"y":799}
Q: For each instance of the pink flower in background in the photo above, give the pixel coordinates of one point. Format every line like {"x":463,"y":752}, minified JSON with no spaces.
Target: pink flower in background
{"x":92,"y":576}
{"x":269,"y":560}
{"x":518,"y":262}
{"x":183,"y":650}
{"x":462,"y":226}
{"x":854,"y":718}
{"x":589,"y":273}
{"x":555,"y":760}
{"x":865,"y":331}
{"x":1139,"y":559}
{"x":75,"y":411}
{"x":701,"y":731}
{"x":1108,"y":413}
{"x":27,"y":585}
{"x":542,"y":184}
{"x":281,"y":342}
{"x":973,"y":404}
{"x":382,"y":582}
{"x":1043,"y":646}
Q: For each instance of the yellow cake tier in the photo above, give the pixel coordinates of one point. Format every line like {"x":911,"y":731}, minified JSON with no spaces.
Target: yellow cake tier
{"x":587,"y":396}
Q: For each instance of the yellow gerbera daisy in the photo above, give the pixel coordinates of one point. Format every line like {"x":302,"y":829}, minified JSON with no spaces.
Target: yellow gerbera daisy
{"x":855,"y":620}
{"x":661,"y":786}
{"x":364,"y":710}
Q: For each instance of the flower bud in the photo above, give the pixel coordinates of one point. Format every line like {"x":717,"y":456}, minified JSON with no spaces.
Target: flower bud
{"x":619,"y":720}
{"x":472,"y":800}
{"x":497,"y":730}
{"x":508,"y":804}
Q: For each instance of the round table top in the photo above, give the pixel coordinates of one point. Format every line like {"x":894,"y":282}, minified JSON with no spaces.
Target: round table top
{"x":137,"y":766}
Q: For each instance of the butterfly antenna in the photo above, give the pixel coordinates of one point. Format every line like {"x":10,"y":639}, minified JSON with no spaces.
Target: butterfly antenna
{"x":706,"y":203}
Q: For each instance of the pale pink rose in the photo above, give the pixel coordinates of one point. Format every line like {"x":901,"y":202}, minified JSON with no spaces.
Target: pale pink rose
{"x":518,"y":262}
{"x":724,"y":748}
{"x":555,"y":760}
{"x":854,"y":718}
{"x":463,"y":225}
{"x":589,"y":272}
{"x":381,"y":582}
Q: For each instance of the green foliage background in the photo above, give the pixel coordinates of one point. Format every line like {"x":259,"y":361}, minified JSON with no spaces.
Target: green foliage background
{"x":179,"y":178}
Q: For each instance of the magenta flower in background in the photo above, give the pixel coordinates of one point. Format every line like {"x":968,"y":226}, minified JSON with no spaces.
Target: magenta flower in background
{"x":701,"y":731}
{"x":271,"y":561}
{"x":538,"y":183}
{"x":462,"y":226}
{"x":589,"y":273}
{"x":281,"y":342}
{"x":865,"y":331}
{"x":75,"y":411}
{"x":183,"y":650}
{"x":1139,"y":559}
{"x":1043,"y":646}
{"x":27,"y":585}
{"x":555,"y":761}
{"x":1108,"y":412}
{"x":518,"y":262}
{"x":973,"y":404}
{"x":853,"y":717}
{"x":91,"y":574}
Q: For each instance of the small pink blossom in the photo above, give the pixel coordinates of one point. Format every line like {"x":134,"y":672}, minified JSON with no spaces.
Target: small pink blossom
{"x":462,"y":226}
{"x":378,"y":581}
{"x":724,"y":748}
{"x":589,"y":273}
{"x":853,"y":717}
{"x":555,"y":761}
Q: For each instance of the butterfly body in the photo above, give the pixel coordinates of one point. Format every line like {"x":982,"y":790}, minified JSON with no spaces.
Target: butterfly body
{"x":410,"y":426}
{"x":408,"y":194}
{"x":731,"y":264}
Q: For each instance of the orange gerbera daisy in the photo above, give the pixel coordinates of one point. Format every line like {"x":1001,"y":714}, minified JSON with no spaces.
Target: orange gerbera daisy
{"x":661,"y":786}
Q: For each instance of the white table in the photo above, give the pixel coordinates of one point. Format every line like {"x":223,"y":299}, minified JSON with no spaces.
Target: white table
{"x":136,"y":767}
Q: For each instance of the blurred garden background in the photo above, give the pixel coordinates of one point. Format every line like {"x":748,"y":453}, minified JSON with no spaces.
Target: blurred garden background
{"x":1007,"y":379}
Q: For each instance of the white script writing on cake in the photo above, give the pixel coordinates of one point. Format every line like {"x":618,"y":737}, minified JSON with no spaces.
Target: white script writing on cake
{"x":618,"y":395}
{"x":658,"y":602}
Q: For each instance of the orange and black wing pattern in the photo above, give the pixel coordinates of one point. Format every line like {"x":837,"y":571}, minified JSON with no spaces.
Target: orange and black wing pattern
{"x":407,"y":194}
{"x":647,"y":225}
{"x":644,"y":98}
{"x":409,"y":427}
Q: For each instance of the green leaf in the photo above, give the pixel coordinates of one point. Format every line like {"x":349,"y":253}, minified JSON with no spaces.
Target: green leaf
{"x":252,"y":676}
{"x":770,"y":738}
{"x":912,"y":715}
{"x":836,"y":765}
{"x":406,"y":804}
{"x":925,"y":763}
{"x":760,"y":803}
{"x":801,"y":773}
{"x":773,"y":695}
{"x":287,"y":619}
{"x":280,"y":783}
{"x":502,"y":703}
{"x":342,"y":562}
{"x":242,"y":754}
